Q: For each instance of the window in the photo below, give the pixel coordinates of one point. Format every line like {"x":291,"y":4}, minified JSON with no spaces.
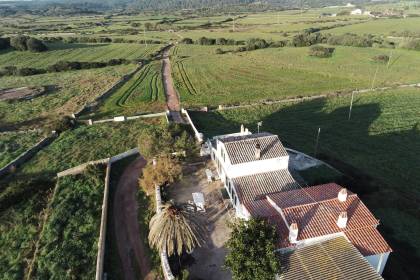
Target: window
{"x":235,"y":201}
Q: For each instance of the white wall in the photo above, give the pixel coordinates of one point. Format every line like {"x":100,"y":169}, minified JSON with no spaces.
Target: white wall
{"x":378,"y":262}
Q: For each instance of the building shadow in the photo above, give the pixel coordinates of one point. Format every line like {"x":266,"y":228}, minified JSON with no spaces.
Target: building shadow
{"x":382,"y":167}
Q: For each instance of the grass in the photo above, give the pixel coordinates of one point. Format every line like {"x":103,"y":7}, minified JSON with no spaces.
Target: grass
{"x":13,"y":144}
{"x":377,"y":147}
{"x":68,"y":246}
{"x":141,"y":94}
{"x":75,"y":52}
{"x":23,"y":195}
{"x":204,"y":78}
{"x":69,"y":92}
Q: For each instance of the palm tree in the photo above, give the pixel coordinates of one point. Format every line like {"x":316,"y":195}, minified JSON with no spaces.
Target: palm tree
{"x":175,"y":228}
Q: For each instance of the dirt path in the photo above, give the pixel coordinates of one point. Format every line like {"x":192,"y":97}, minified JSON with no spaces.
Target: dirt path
{"x":172,"y":100}
{"x":130,"y":247}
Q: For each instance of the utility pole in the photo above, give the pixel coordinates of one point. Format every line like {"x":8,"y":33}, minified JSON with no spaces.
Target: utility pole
{"x":389,"y":60}
{"x":258,"y":126}
{"x":351,"y":104}
{"x":317,"y":141}
{"x":374,"y":78}
{"x":144,"y":36}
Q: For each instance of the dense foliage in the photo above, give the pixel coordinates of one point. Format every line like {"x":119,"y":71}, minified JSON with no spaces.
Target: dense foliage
{"x":163,"y":170}
{"x":60,"y":66}
{"x":25,"y":43}
{"x":321,"y":51}
{"x":252,"y":251}
{"x":166,"y":139}
{"x":69,"y":241}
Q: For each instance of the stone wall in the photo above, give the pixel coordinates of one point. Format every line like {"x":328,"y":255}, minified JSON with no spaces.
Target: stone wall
{"x":27,"y":155}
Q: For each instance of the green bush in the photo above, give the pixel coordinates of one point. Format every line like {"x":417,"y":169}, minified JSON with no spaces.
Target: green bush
{"x":307,"y":38}
{"x":320,"y":51}
{"x":35,"y":45}
{"x":19,"y":43}
{"x":410,"y":44}
{"x":352,"y":40}
{"x":255,"y":44}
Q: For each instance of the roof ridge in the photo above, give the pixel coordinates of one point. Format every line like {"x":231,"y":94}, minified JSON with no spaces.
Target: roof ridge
{"x":315,"y":201}
{"x":250,"y":138}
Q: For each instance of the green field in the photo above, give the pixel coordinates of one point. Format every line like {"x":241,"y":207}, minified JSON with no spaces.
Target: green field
{"x":141,"y":94}
{"x":205,"y":78}
{"x":379,"y":142}
{"x":13,"y":144}
{"x":24,"y":195}
{"x":69,"y":92}
{"x":75,"y":52}
{"x":69,"y":242}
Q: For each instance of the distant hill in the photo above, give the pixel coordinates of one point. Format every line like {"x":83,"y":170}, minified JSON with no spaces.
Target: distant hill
{"x":194,"y":4}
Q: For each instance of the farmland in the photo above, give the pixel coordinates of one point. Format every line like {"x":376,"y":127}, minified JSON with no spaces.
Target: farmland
{"x":24,"y":195}
{"x":13,"y":144}
{"x":141,"y":94}
{"x":75,"y":52}
{"x":279,"y":73}
{"x":68,"y":93}
{"x":378,"y":143}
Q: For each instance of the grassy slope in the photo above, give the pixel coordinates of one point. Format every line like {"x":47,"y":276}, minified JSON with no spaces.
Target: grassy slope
{"x":381,"y":140}
{"x":13,"y":144}
{"x":18,"y":223}
{"x":75,"y":52}
{"x":142,"y":93}
{"x":69,"y":243}
{"x":210,"y":79}
{"x":71,"y":91}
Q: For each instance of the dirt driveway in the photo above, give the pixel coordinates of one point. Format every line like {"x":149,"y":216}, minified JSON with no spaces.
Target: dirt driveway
{"x":209,"y":259}
{"x":130,"y":247}
{"x":172,"y":100}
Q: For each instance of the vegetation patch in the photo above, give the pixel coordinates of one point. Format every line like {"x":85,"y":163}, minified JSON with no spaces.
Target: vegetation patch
{"x":68,"y":245}
{"x":321,"y":51}
{"x":14,"y":143}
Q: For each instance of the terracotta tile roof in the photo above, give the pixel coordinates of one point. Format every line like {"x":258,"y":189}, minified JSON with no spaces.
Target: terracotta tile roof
{"x":316,"y":210}
{"x":306,"y":195}
{"x":257,"y":186}
{"x":332,"y":259}
{"x":241,"y":149}
{"x":368,"y":241}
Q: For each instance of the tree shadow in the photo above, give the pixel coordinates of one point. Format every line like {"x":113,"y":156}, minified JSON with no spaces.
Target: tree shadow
{"x":382,"y":168}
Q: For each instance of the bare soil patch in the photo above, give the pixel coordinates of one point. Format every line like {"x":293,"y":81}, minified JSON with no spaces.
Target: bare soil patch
{"x":23,"y":93}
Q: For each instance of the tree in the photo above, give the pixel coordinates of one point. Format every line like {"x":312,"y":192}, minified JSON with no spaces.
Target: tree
{"x":162,"y":171}
{"x":320,"y":51}
{"x":176,"y":228}
{"x":35,"y":45}
{"x":19,"y":43}
{"x":252,"y":251}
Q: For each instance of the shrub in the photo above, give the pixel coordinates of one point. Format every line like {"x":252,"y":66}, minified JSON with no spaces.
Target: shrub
{"x":352,"y":40}
{"x":219,"y":51}
{"x":29,"y":71}
{"x":206,"y":41}
{"x":35,"y":45}
{"x":187,"y":41}
{"x":255,"y":44}
{"x":19,"y":43}
{"x":410,"y":44}
{"x":221,"y":41}
{"x":320,"y":51}
{"x":307,"y":39}
{"x":381,"y":58}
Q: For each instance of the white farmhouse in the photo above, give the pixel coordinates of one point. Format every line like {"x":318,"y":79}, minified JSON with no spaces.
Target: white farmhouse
{"x":251,"y":166}
{"x":254,"y":169}
{"x":356,"y":12}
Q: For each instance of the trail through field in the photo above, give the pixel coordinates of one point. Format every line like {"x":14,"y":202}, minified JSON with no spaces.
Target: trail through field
{"x":129,"y":240}
{"x":172,"y":100}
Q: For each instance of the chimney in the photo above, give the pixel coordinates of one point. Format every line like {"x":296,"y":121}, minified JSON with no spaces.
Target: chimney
{"x":342,"y":220}
{"x":257,"y":151}
{"x":242,"y":129}
{"x":293,"y":233}
{"x":342,"y":195}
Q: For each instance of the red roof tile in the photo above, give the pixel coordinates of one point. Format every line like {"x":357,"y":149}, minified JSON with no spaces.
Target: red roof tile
{"x":368,"y":241}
